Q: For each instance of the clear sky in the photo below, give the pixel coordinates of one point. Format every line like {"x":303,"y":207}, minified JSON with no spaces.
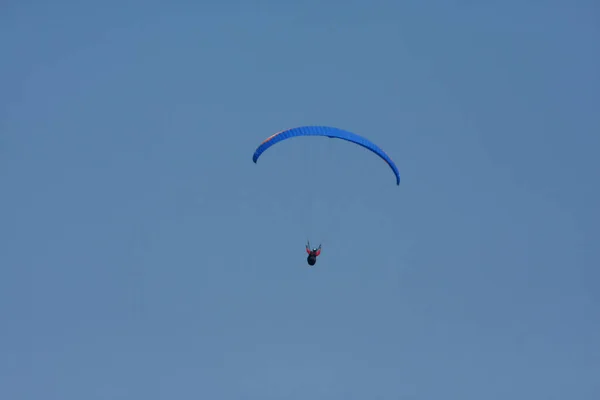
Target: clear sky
{"x":144,"y":256}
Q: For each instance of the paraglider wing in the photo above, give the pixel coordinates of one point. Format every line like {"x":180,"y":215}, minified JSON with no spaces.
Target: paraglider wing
{"x":329,"y":132}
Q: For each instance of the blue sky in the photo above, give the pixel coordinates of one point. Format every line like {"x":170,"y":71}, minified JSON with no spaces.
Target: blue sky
{"x":144,"y":255}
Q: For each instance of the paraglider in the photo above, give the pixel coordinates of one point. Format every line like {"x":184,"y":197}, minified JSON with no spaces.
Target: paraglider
{"x":312,"y":254}
{"x":330,"y":132}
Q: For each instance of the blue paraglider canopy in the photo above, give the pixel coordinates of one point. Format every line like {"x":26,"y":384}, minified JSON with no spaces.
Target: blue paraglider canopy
{"x":327,"y":132}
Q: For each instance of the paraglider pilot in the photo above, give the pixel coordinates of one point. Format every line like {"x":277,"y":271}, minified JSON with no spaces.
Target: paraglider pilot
{"x":312,"y":254}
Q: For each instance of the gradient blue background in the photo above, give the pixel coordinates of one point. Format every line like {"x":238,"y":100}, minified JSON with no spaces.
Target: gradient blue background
{"x":144,"y":256}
